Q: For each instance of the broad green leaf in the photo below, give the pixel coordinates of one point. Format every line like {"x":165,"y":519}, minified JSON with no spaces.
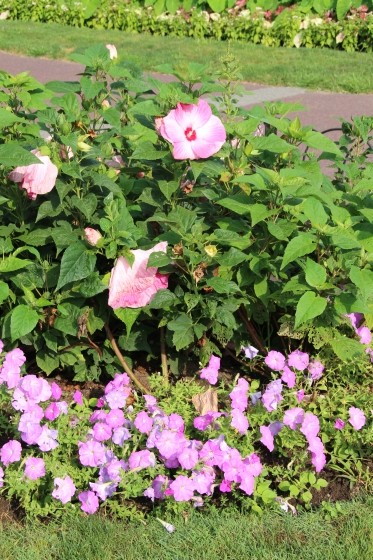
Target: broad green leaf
{"x":272,"y":143}
{"x":168,"y":188}
{"x":182,"y":328}
{"x":90,"y":88}
{"x":86,"y":205}
{"x":363,"y":279}
{"x":47,"y":361}
{"x":315,"y":274}
{"x":314,"y":210}
{"x":342,"y":8}
{"x":309,"y":306}
{"x":4,"y":291}
{"x":11,"y":264}
{"x":321,"y":142}
{"x":77,"y":263}
{"x":347,"y":349}
{"x":217,"y":5}
{"x":158,"y":259}
{"x":238,"y":203}
{"x":147,"y":151}
{"x":22,"y":321}
{"x":63,"y":87}
{"x":222,"y":286}
{"x":163,"y":299}
{"x":281,"y":229}
{"x":299,"y":246}
{"x":7,"y":118}
{"x":12,"y":155}
{"x":232,"y":258}
{"x":128,"y":316}
{"x":259,"y":212}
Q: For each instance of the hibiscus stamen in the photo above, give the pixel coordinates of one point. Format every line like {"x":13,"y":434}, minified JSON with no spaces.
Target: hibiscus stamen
{"x":190,"y":134}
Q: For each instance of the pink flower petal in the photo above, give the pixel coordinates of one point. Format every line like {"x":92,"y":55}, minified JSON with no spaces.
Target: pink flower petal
{"x":195,"y":116}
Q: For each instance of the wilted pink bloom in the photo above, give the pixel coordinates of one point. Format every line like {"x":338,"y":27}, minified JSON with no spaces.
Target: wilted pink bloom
{"x":103,"y":489}
{"x":268,"y":433}
{"x":210,"y":372}
{"x":339,"y":424}
{"x":64,"y":489}
{"x":92,"y":235}
{"x":157,"y":489}
{"x":34,"y":468}
{"x":316,"y":369}
{"x":288,"y":376}
{"x":135,"y":286}
{"x":193,"y":131}
{"x":112,"y":51}
{"x":116,"y":162}
{"x":293,"y":417}
{"x":89,"y":501}
{"x":36,"y":178}
{"x":182,"y":488}
{"x":299,"y":360}
{"x":317,"y":453}
{"x":275,"y":360}
{"x":10,"y":452}
{"x":357,"y":418}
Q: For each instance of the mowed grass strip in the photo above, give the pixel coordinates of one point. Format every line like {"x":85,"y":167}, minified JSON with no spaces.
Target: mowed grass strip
{"x":218,"y":534}
{"x":320,"y":69}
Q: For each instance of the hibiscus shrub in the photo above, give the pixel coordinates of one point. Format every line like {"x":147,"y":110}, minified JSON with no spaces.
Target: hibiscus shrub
{"x":171,"y":231}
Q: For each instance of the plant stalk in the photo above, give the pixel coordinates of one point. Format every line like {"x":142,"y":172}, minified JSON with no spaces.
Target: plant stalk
{"x":165,"y":373}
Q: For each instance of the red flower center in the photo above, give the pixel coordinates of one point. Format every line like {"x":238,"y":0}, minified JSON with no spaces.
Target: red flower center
{"x":190,"y":134}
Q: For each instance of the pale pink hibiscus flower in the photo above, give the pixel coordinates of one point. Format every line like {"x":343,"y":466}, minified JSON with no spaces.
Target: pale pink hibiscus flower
{"x":92,"y":235}
{"x":193,"y":131}
{"x":37,"y":178}
{"x":135,"y":286}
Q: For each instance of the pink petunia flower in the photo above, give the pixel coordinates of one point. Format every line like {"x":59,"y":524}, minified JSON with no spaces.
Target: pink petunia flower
{"x":288,"y":376}
{"x":357,"y":418}
{"x":34,"y":468}
{"x":89,"y":502}
{"x":316,"y":370}
{"x":299,"y":360}
{"x":210,"y":372}
{"x":10,"y":452}
{"x":239,"y":421}
{"x":339,"y":424}
{"x":37,"y":178}
{"x":193,"y":131}
{"x":182,"y":488}
{"x":275,"y":360}
{"x":134,"y":286}
{"x":64,"y":489}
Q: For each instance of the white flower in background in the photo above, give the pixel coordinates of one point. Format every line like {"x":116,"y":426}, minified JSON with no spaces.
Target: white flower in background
{"x":112,"y":51}
{"x":5,"y":15}
{"x":317,"y":21}
{"x":339,"y":38}
{"x":215,"y":17}
{"x":305,"y":23}
{"x":297,"y":41}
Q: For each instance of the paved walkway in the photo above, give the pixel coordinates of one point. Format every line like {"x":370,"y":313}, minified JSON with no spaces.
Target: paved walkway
{"x":323,"y":110}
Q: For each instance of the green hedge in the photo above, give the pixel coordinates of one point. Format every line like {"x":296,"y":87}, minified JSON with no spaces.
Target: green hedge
{"x":290,"y":28}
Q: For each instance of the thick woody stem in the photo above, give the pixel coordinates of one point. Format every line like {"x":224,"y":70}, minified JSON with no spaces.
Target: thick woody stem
{"x":123,"y":362}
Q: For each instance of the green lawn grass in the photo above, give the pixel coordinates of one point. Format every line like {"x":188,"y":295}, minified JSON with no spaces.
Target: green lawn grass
{"x":218,"y":535}
{"x":322,"y":69}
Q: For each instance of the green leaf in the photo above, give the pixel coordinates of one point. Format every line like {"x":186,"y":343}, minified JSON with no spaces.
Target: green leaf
{"x":163,"y":299}
{"x":318,"y":141}
{"x":128,"y":316}
{"x":11,"y":264}
{"x":239,"y":203}
{"x":4,"y":291}
{"x":147,"y":151}
{"x":313,"y":209}
{"x":232,"y":258}
{"x":272,"y":143}
{"x":217,"y":5}
{"x":90,"y":89}
{"x":12,"y":155}
{"x":158,"y":259}
{"x":47,"y":361}
{"x":309,"y":306}
{"x":7,"y":118}
{"x":22,"y":321}
{"x":222,"y":286}
{"x":259,"y":212}
{"x":347,"y":349}
{"x":168,"y":188}
{"x":182,"y":328}
{"x":363,"y":279}
{"x":315,"y":274}
{"x":299,"y":246}
{"x":342,"y":8}
{"x":77,"y":263}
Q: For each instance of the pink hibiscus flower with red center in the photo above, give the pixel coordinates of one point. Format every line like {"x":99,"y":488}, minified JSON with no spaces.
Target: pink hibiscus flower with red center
{"x":135,"y":286}
{"x":193,"y":131}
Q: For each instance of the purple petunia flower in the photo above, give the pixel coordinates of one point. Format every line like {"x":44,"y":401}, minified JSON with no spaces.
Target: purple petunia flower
{"x":141,"y":460}
{"x":316,"y":370}
{"x":250,"y":352}
{"x":239,"y":421}
{"x":89,"y":502}
{"x":210,"y":373}
{"x":10,"y":452}
{"x":182,"y":488}
{"x":288,"y":376}
{"x":91,"y":453}
{"x":143,"y":422}
{"x":272,"y":395}
{"x":299,"y":360}
{"x":339,"y":424}
{"x":357,"y":417}
{"x":34,"y":468}
{"x":64,"y":489}
{"x":238,"y":396}
{"x":293,"y":417}
{"x":275,"y":360}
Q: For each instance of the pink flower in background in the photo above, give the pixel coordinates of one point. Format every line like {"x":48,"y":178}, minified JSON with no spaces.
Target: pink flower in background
{"x":357,"y":417}
{"x":239,"y":421}
{"x":78,"y":398}
{"x":272,"y":395}
{"x":238,"y":395}
{"x":56,"y":391}
{"x":293,"y":417}
{"x":275,"y":360}
{"x":36,"y":178}
{"x":34,"y":468}
{"x":141,"y":460}
{"x":193,"y":131}
{"x":112,"y":51}
{"x":288,"y":376}
{"x":310,"y":425}
{"x":316,"y":370}
{"x":364,"y":334}
{"x":64,"y":489}
{"x":135,"y":286}
{"x":250,"y":351}
{"x":182,"y":488}
{"x":299,"y":360}
{"x":210,"y":372}
{"x":92,"y":235}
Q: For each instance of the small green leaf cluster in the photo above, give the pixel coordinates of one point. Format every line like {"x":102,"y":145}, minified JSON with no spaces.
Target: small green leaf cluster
{"x":263,"y":22}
